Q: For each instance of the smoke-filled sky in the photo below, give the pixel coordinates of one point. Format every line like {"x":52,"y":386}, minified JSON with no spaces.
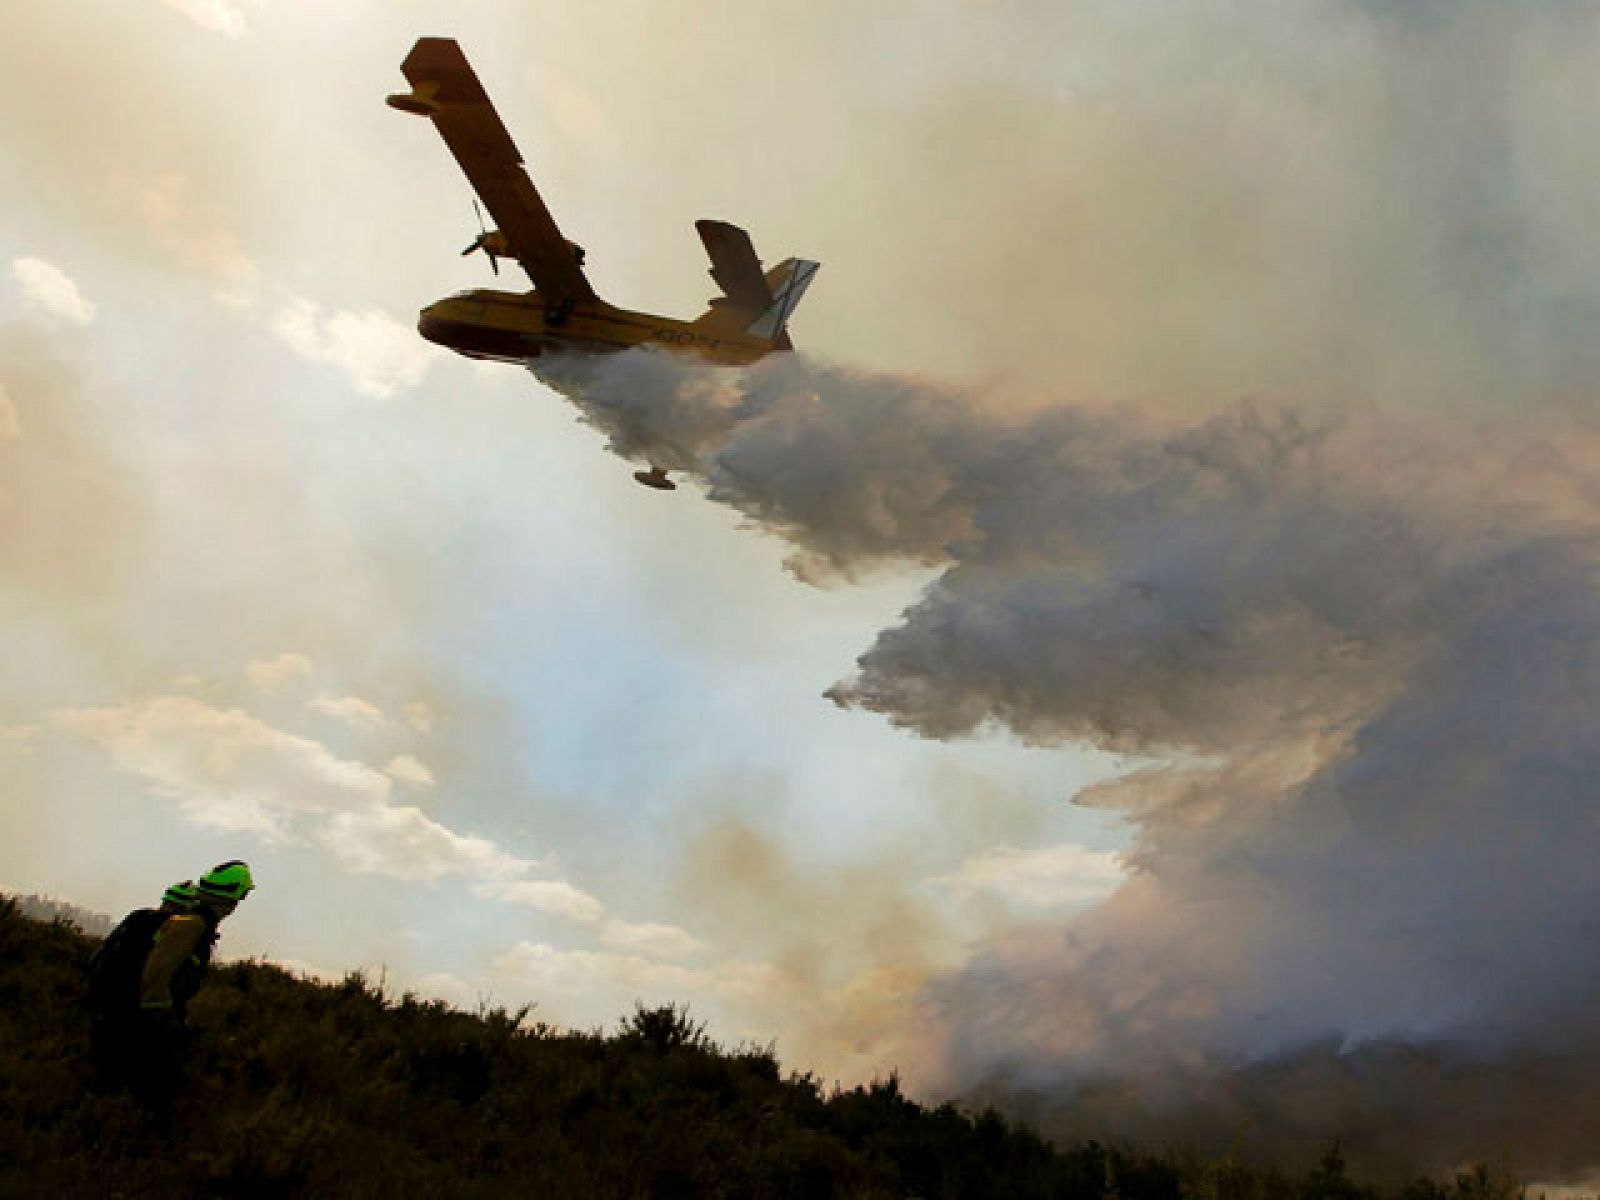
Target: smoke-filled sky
{"x":1135,"y":663}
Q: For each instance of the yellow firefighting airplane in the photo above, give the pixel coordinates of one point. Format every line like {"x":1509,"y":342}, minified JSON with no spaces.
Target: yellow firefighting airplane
{"x":747,"y":322}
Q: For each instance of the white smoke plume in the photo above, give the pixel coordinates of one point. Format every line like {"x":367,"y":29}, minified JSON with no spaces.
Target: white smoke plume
{"x":1361,"y":654}
{"x":1352,"y":627}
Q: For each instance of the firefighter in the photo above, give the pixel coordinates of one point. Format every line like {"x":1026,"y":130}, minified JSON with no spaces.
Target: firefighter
{"x":145,"y":973}
{"x":180,"y":948}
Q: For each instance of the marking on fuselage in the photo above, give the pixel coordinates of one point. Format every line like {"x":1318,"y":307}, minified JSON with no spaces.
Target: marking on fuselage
{"x":683,"y":337}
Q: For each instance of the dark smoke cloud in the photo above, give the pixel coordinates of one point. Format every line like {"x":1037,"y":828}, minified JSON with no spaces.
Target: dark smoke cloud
{"x":1352,"y":626}
{"x":1359,"y":652}
{"x":1362,"y":654}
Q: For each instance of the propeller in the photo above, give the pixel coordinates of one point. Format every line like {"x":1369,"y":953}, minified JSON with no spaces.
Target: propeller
{"x":481,"y":242}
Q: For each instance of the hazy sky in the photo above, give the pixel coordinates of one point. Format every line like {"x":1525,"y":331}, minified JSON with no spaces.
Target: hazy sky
{"x":282,"y":581}
{"x":1194,"y":416}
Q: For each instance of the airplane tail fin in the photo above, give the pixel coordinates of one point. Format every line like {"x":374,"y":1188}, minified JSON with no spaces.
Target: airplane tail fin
{"x":751,"y":302}
{"x":788,"y":281}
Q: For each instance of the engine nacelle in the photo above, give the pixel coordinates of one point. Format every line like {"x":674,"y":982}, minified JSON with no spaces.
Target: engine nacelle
{"x":496,"y":244}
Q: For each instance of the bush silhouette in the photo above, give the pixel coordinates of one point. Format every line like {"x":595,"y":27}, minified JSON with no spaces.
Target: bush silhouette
{"x":296,"y":1088}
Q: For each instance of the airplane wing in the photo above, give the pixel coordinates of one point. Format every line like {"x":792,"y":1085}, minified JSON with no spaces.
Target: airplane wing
{"x":444,"y":87}
{"x":734,"y":265}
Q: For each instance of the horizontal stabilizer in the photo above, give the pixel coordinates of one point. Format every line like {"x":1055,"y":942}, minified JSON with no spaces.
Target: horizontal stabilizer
{"x":734,"y":265}
{"x":789,"y":281}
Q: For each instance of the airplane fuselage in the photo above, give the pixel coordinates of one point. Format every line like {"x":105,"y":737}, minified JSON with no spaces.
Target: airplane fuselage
{"x":513,"y":327}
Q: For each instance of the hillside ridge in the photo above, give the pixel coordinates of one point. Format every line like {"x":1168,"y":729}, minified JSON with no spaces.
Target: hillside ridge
{"x":293,"y":1087}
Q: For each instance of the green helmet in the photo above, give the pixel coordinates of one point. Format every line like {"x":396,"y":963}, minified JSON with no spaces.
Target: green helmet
{"x":229,"y":881}
{"x":182,"y":896}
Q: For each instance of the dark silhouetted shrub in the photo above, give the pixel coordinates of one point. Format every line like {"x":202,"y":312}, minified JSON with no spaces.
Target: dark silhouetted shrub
{"x":296,"y":1088}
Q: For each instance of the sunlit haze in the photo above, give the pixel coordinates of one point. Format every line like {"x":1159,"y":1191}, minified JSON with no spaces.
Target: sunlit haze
{"x":1141,"y":647}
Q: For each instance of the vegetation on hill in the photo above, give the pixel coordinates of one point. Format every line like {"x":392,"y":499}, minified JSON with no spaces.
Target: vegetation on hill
{"x":48,"y":908}
{"x":298,"y":1088}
